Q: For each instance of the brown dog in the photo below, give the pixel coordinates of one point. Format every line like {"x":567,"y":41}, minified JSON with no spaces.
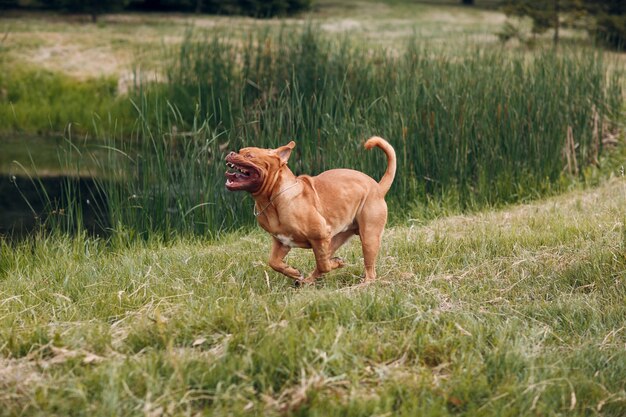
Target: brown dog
{"x":320,"y":212}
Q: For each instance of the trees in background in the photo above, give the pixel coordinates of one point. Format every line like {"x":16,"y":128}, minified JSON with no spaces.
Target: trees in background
{"x":610,"y":25}
{"x":8,"y":4}
{"x":604,"y":19}
{"x":545,"y":14}
{"x":94,"y":8}
{"x":257,"y":8}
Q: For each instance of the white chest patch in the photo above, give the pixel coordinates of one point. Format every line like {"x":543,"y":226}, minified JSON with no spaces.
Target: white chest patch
{"x":286,"y":240}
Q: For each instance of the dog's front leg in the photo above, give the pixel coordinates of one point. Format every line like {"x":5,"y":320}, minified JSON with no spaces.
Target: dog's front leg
{"x":277,"y":256}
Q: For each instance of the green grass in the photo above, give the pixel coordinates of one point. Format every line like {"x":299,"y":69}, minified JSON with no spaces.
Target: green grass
{"x":37,"y":101}
{"x":518,"y":312}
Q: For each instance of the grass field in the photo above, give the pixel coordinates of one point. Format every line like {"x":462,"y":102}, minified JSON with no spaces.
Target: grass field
{"x":517,"y":312}
{"x":506,"y":310}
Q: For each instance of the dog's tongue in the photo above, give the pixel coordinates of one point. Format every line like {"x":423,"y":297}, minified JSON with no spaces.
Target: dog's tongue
{"x":233,"y":178}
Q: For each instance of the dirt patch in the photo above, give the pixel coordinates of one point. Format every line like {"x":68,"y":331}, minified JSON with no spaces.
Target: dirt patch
{"x":474,"y":19}
{"x":342,"y":25}
{"x":79,"y":61}
{"x":77,"y":56}
{"x":18,"y":377}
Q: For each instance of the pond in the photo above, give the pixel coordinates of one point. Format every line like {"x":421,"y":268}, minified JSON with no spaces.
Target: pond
{"x":35,"y":176}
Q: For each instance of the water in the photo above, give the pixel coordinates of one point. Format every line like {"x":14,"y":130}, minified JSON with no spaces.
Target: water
{"x":34,"y":181}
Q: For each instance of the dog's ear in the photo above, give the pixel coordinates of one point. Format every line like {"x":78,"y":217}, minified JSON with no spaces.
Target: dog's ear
{"x":285,"y":151}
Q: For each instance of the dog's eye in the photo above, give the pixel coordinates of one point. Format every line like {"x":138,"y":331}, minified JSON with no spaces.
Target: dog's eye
{"x":249,"y":155}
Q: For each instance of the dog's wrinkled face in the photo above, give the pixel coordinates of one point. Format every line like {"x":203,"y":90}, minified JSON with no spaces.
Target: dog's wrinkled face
{"x":249,"y":168}
{"x":246,"y":169}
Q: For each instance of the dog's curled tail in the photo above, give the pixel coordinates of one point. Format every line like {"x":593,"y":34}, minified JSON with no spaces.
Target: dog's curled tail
{"x":390,"y":173}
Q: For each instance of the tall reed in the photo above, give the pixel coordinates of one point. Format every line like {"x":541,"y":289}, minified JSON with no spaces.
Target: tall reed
{"x":472,"y":128}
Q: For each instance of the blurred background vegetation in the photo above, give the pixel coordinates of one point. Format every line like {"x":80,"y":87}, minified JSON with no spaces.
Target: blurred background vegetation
{"x":606,"y":19}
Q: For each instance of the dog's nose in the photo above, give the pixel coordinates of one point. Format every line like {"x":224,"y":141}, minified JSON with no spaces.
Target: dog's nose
{"x":231,"y":154}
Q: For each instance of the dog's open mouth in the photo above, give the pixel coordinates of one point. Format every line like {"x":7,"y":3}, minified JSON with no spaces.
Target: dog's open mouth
{"x":242,"y":177}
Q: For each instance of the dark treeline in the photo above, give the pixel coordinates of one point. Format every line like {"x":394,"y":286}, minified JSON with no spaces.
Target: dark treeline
{"x":246,"y":7}
{"x":604,"y":19}
{"x":257,"y":8}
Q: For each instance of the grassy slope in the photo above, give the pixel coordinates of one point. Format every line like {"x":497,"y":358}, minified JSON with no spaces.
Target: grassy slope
{"x":518,"y":312}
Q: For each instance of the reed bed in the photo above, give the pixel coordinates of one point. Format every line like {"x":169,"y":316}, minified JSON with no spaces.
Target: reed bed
{"x":472,"y":128}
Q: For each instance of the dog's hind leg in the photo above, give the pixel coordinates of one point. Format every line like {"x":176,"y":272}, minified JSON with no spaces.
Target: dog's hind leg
{"x":323,"y":263}
{"x":277,"y":256}
{"x":337,"y":241}
{"x":371,"y":222}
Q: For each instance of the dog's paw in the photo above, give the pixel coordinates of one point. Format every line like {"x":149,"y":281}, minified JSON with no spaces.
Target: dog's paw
{"x":310,"y":279}
{"x":303,"y":282}
{"x":338,"y":262}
